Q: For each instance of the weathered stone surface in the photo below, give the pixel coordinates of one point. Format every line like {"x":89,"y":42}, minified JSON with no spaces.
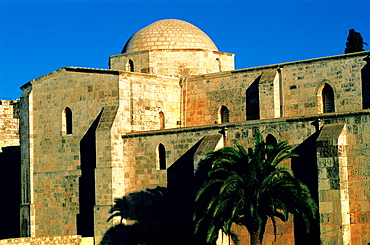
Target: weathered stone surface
{"x":91,"y":135}
{"x":9,"y":123}
{"x":62,"y":240}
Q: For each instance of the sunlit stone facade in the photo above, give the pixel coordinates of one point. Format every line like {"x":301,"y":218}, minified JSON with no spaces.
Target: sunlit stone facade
{"x":89,"y":136}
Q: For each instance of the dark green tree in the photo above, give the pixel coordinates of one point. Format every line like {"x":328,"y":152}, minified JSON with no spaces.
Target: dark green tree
{"x":355,"y":42}
{"x":247,"y":187}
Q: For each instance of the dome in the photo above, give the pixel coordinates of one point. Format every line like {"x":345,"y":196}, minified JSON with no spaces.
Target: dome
{"x":169,"y":34}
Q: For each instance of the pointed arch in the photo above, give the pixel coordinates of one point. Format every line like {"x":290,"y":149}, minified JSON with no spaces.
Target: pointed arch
{"x":130,"y":66}
{"x":162,"y":122}
{"x":67,"y":121}
{"x":161,"y":157}
{"x":326,"y":99}
{"x":270,"y":140}
{"x":224,"y":114}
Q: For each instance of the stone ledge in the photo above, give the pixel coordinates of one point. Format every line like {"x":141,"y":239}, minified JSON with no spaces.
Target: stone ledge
{"x":269,"y":121}
{"x":61,"y":240}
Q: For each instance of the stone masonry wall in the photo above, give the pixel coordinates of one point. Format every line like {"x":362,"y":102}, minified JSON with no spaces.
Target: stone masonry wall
{"x":342,"y":73}
{"x":140,"y":154}
{"x":358,"y":170}
{"x":333,"y":185}
{"x":9,"y":123}
{"x":140,"y":59}
{"x":177,"y":63}
{"x":104,"y":105}
{"x":143,"y":97}
{"x":56,"y":156}
{"x":142,"y":172}
{"x":291,"y":89}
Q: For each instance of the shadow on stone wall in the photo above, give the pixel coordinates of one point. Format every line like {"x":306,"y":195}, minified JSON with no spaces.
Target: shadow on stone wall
{"x":85,"y":219}
{"x":163,"y":215}
{"x":158,"y":220}
{"x":10,"y":178}
{"x":252,"y":96}
{"x":305,"y":169}
{"x":365,"y":81}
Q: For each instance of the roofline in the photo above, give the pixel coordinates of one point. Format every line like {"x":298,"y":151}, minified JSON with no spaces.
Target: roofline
{"x":94,"y":70}
{"x":73,"y":69}
{"x":281,"y":65}
{"x":172,"y":50}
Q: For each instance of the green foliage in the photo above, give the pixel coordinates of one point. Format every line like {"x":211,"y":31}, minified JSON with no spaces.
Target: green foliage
{"x":247,"y":187}
{"x":355,"y":42}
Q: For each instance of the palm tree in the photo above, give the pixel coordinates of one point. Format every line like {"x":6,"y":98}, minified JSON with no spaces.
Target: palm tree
{"x":247,"y":188}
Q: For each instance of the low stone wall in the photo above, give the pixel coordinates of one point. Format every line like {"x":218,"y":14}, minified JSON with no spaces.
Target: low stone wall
{"x":60,"y":240}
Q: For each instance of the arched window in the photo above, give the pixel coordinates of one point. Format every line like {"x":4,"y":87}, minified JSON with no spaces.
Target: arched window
{"x":130,"y":66}
{"x":270,"y":141}
{"x":224,"y":112}
{"x":161,"y":120}
{"x":161,"y":157}
{"x":328,"y":99}
{"x":67,"y":121}
{"x":217,"y":67}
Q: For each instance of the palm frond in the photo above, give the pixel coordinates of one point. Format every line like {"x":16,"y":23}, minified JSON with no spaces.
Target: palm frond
{"x":246,"y":186}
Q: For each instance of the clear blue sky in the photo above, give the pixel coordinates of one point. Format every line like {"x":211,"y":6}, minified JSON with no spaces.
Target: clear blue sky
{"x":40,"y":36}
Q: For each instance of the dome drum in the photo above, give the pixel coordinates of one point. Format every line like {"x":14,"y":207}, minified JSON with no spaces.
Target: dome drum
{"x":171,"y":48}
{"x":176,"y":63}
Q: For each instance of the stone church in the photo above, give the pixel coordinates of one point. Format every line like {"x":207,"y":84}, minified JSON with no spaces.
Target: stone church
{"x":88,"y":136}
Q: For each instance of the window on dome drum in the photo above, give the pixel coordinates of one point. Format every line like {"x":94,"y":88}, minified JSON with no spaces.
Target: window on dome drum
{"x":328,"y":99}
{"x":224,"y":112}
{"x":161,"y":120}
{"x":161,"y":157}
{"x":130,"y":66}
{"x":217,"y":67}
{"x":67,"y":121}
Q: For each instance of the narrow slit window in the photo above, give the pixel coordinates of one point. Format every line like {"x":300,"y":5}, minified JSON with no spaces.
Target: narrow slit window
{"x":161,"y":157}
{"x":130,"y":66}
{"x":161,"y":120}
{"x":224,"y":114}
{"x":217,"y":67}
{"x":67,"y":121}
